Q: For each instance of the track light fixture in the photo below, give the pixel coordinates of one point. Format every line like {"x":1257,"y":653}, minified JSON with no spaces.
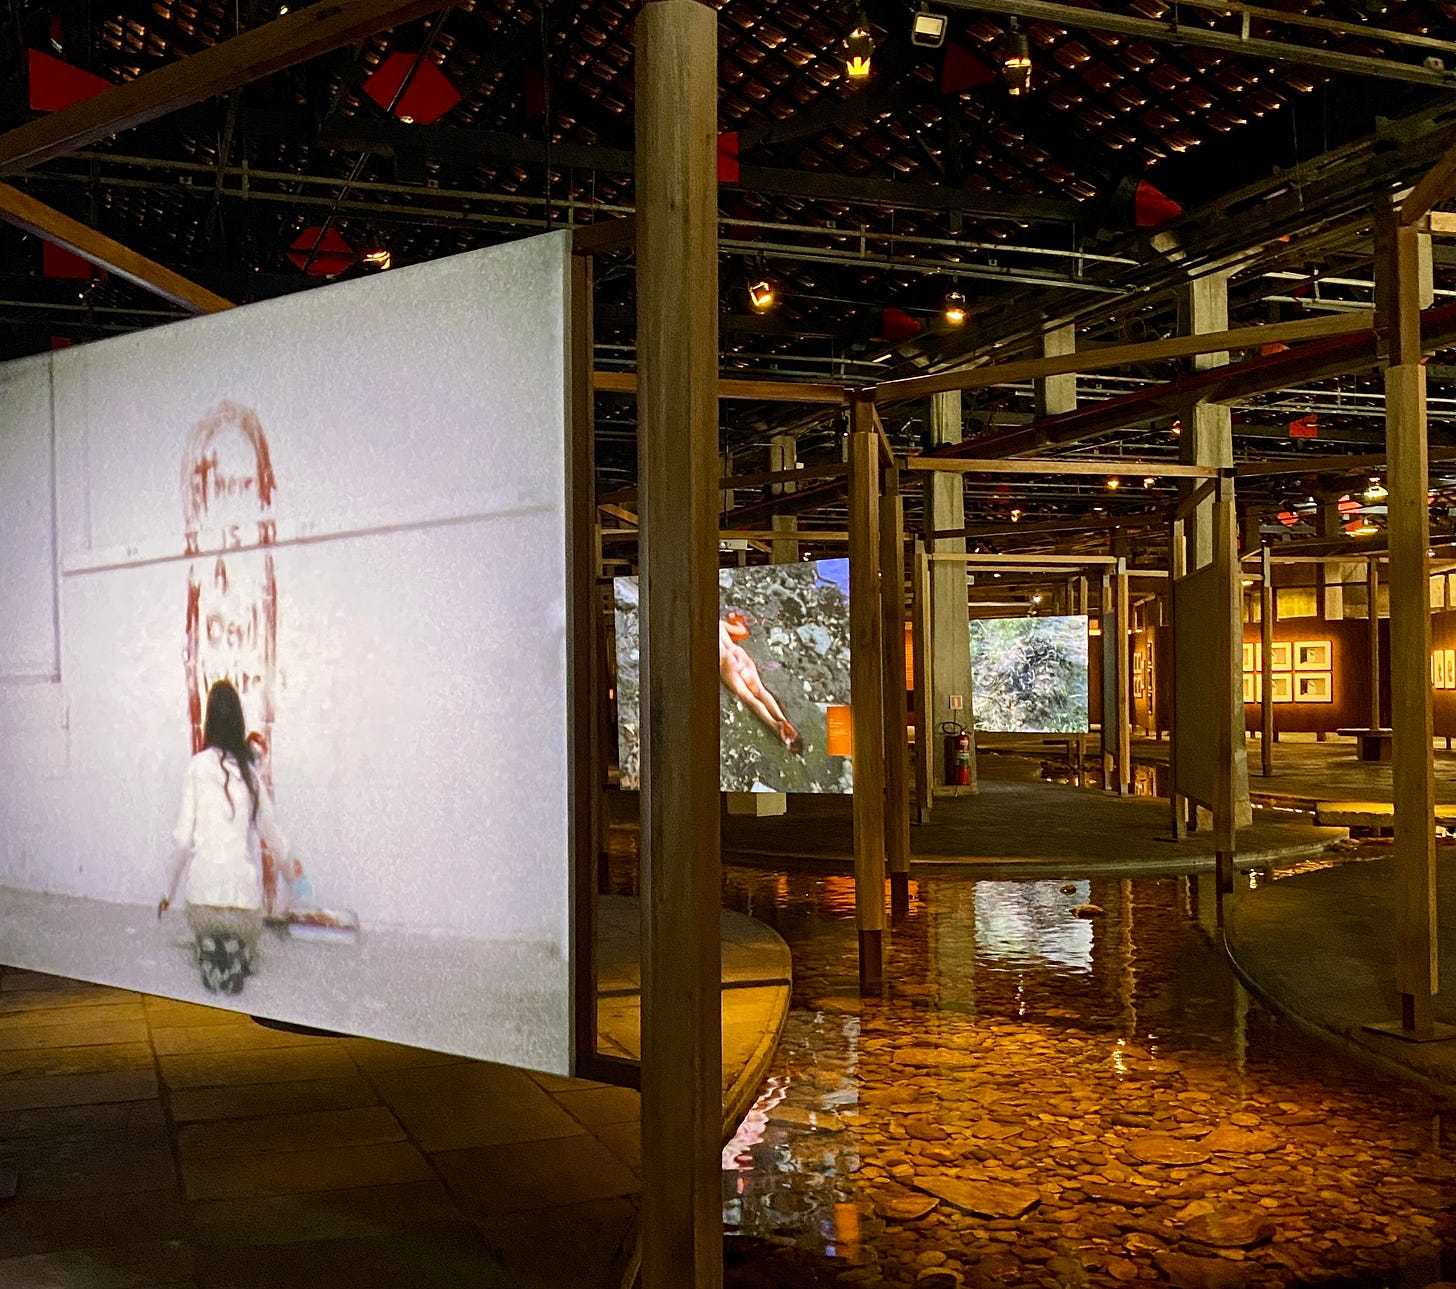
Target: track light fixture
{"x":955,"y":308}
{"x":927,"y":28}
{"x":1016,"y":62}
{"x":859,"y":48}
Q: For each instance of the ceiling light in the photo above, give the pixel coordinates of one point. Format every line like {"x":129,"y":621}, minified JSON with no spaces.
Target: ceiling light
{"x":1016,"y":516}
{"x":955,"y":308}
{"x":761,"y":294}
{"x":1149,"y":481}
{"x":1016,"y":61}
{"x":1114,"y":483}
{"x":1376,"y":491}
{"x":1361,"y":528}
{"x":1036,"y":599}
{"x":1177,"y":429}
{"x":928,"y":28}
{"x":859,"y":47}
{"x":379,"y":259}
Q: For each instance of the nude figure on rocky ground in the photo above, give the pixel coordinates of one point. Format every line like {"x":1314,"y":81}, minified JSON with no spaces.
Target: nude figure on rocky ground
{"x":740,"y":673}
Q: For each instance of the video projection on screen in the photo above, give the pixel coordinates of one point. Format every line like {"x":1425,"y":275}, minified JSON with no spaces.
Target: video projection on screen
{"x":290,"y":741}
{"x":1029,"y":675}
{"x":783,"y":669}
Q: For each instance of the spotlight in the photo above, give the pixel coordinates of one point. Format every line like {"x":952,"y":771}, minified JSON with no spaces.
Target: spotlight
{"x":1149,"y":481}
{"x":379,"y":259}
{"x":859,"y":48}
{"x":1016,"y":516}
{"x":1114,"y":484}
{"x":1376,"y":491}
{"x":928,"y":28}
{"x":955,"y":308}
{"x":1016,"y":61}
{"x":761,"y":294}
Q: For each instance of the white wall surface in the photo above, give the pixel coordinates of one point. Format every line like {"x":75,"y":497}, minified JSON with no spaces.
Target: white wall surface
{"x":416,"y":423}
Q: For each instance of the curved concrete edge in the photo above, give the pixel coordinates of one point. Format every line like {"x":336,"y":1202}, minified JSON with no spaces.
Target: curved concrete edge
{"x":1376,"y":1053}
{"x":768,"y":1005}
{"x":1009,"y":868}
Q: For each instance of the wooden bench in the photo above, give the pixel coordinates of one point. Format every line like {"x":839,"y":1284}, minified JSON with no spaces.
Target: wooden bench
{"x":1374,"y":745}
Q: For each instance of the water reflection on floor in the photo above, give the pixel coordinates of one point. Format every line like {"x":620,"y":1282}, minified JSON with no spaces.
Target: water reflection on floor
{"x":1094,"y":1101}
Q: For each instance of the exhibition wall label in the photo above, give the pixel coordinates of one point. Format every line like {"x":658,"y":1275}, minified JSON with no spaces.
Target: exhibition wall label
{"x":1029,"y":675}
{"x":350,"y":506}
{"x":783,"y":667}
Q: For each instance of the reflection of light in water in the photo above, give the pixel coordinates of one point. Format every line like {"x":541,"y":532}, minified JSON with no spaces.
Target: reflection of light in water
{"x":1118,"y":1063}
{"x":737,"y":1154}
{"x":1032,"y":921}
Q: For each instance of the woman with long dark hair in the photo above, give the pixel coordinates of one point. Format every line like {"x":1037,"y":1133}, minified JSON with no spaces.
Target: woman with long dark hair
{"x":225,"y":810}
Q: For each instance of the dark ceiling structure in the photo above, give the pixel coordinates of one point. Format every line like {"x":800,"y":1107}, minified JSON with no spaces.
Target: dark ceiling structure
{"x":1155,"y":142}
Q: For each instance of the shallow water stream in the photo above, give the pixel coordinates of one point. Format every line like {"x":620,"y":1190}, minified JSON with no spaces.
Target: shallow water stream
{"x":1038,"y":1098}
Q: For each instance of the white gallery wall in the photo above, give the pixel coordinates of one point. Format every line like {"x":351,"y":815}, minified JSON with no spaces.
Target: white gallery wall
{"x":352,"y":503}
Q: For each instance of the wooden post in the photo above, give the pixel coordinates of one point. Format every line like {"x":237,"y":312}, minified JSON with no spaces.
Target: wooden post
{"x":1372,"y":597}
{"x":1124,"y":689}
{"x":866,"y":663}
{"x":925,"y":725}
{"x":1412,"y":760}
{"x":677,"y":401}
{"x":1083,"y":609}
{"x":892,"y":600}
{"x":1266,"y":650}
{"x":1227,"y":588}
{"x":1177,"y":568}
{"x":1107,"y":738}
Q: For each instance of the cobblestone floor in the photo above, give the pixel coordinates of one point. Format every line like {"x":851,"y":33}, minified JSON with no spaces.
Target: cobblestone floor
{"x":1039,"y":1098}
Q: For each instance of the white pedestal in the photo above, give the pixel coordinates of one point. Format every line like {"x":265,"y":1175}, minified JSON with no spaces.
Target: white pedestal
{"x":757,"y":803}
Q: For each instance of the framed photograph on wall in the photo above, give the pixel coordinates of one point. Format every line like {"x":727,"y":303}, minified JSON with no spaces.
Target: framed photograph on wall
{"x":1438,"y":666}
{"x":1280,"y":656}
{"x":1249,"y":663}
{"x":1282,"y":689}
{"x":1312,"y":655}
{"x":1314,"y":687}
{"x":1450,"y":668}
{"x":1250,"y":690}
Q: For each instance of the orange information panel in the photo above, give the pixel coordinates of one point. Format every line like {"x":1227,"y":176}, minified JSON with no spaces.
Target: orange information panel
{"x":841,"y":730}
{"x":909,"y":658}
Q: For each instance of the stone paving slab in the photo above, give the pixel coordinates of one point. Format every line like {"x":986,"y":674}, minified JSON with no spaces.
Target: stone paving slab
{"x":1320,"y":946}
{"x":264,"y":1159}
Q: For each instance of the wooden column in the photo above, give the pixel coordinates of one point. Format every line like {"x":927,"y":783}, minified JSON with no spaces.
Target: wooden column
{"x":1177,"y":569}
{"x":925,"y":724}
{"x":1224,"y":656}
{"x":783,"y":455}
{"x":1124,"y":689}
{"x":950,"y":668}
{"x":1266,"y":651}
{"x":1085,"y":610}
{"x":1372,"y":597}
{"x":677,"y":402}
{"x":1107,"y":738}
{"x":866,"y":664}
{"x":897,"y":786}
{"x":1412,"y":768}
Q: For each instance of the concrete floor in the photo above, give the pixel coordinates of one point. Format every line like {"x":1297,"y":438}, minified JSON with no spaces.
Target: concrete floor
{"x":162,"y":1144}
{"x":1020,"y":826}
{"x":1320,"y":946}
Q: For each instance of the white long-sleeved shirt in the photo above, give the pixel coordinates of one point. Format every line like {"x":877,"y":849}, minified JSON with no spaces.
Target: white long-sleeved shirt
{"x":225,"y":868}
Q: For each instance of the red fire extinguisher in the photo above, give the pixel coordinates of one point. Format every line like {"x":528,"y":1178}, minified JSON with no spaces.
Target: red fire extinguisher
{"x":957,"y":754}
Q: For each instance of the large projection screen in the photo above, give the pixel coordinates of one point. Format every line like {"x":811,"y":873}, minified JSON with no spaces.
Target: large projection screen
{"x":351,"y":503}
{"x":783,"y":665}
{"x":1029,"y":675}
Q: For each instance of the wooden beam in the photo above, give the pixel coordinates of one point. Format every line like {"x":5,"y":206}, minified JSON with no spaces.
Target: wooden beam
{"x":1327,"y":465}
{"x":1124,"y":687}
{"x":921,"y":647}
{"x":764,"y":391}
{"x":285,"y":42}
{"x":605,"y":236}
{"x":1088,"y":360}
{"x":1434,"y":187}
{"x":35,"y":217}
{"x":887,"y":453}
{"x":1442,"y":223}
{"x":1193,"y":500}
{"x":1041,"y":561}
{"x":866,"y":680}
{"x":1114,"y":467}
{"x":801,"y":475}
{"x":677,"y":337}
